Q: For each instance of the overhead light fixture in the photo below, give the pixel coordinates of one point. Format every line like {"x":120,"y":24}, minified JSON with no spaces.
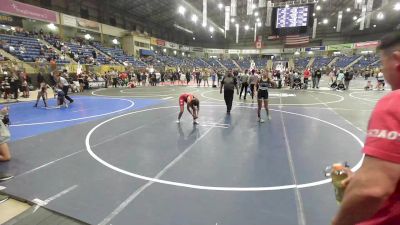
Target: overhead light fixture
{"x":164,"y":50}
{"x":313,"y":14}
{"x":174,"y":52}
{"x":334,"y":27}
{"x":204,"y":25}
{"x":181,"y":10}
{"x":348,"y":10}
{"x":211,"y":36}
{"x":194,"y":18}
{"x":296,"y":53}
{"x":115,"y":41}
{"x":246,"y":27}
{"x":340,"y":16}
{"x":254,"y":6}
{"x":258,"y":19}
{"x":194,"y":38}
{"x":259,"y":24}
{"x":220,"y":6}
{"x":236,"y":25}
{"x":397,"y":6}
{"x":183,"y":54}
{"x":318,"y":7}
{"x":232,"y":20}
{"x":374,"y":25}
{"x":51,"y":26}
{"x":359,"y":1}
{"x":87,"y":36}
{"x":151,"y":48}
{"x":325,"y":21}
{"x":256,"y":14}
{"x":354,"y":18}
{"x":380,"y":16}
{"x":310,"y":52}
{"x":211,"y":29}
{"x":286,"y":6}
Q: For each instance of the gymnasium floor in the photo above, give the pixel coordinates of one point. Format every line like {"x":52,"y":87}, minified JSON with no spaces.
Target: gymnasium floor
{"x":116,"y":156}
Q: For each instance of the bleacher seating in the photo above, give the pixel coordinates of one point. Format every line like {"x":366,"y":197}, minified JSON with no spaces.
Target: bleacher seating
{"x":213,"y":63}
{"x":301,"y":63}
{"x":244,"y":63}
{"x":33,"y":49}
{"x":201,"y":63}
{"x":261,"y":63}
{"x":119,"y":55}
{"x":366,"y":62}
{"x":344,"y":61}
{"x":228,"y":63}
{"x":321,"y":62}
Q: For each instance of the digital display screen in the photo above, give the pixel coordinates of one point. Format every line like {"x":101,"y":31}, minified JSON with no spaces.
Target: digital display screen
{"x":292,"y":17}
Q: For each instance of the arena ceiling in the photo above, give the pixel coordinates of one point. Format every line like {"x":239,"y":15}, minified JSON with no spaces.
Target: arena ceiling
{"x":162,"y":19}
{"x":165,"y":13}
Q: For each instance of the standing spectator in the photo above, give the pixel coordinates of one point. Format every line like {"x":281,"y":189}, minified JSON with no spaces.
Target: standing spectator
{"x":198,"y":78}
{"x":372,"y":193}
{"x":219,"y":76}
{"x":381,"y":81}
{"x":229,"y":83}
{"x":187,"y":77}
{"x":14,"y":83}
{"x":245,"y":84}
{"x":348,"y":76}
{"x":307,"y":75}
{"x":253,"y":81}
{"x":316,"y":78}
{"x":4,"y":136}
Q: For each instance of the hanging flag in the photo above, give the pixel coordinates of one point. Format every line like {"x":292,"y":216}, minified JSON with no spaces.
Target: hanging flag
{"x":227,"y":17}
{"x":233,"y":7}
{"x":296,"y":40}
{"x":204,"y":12}
{"x":237,"y":33}
{"x":370,"y":3}
{"x":249,"y":7}
{"x":269,"y":14}
{"x":255,"y":32}
{"x":262,"y":3}
{"x":339,"y":21}
{"x":314,"y":29}
{"x":363,"y":12}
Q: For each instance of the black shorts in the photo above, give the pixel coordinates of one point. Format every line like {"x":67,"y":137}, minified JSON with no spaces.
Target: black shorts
{"x":262,"y":94}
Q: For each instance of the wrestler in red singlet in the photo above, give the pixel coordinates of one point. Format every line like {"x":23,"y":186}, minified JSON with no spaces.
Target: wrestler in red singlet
{"x":193,"y":106}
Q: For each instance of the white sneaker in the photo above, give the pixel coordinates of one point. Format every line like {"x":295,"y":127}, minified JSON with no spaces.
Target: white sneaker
{"x":269,"y":117}
{"x":260,"y":120}
{"x":195,"y":122}
{"x":178,"y":121}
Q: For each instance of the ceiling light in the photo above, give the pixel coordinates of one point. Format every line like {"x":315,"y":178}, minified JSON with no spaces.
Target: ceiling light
{"x":374,"y":25}
{"x":194,"y":38}
{"x":380,"y":16}
{"x":340,"y":16}
{"x":254,"y":6}
{"x":286,"y":6}
{"x":115,"y":41}
{"x":246,"y":27}
{"x":183,"y":54}
{"x":204,"y":25}
{"x":318,"y":7}
{"x":313,"y":14}
{"x":233,"y":20}
{"x":181,"y":10}
{"x":236,"y":25}
{"x":51,"y":26}
{"x":174,"y":52}
{"x":397,"y":6}
{"x":354,"y":18}
{"x":164,"y":50}
{"x":334,"y":27}
{"x":297,"y":53}
{"x":259,"y":24}
{"x":359,"y":1}
{"x":220,"y":6}
{"x":348,"y":10}
{"x":258,"y":19}
{"x":194,"y":18}
{"x":211,"y":29}
{"x":310,"y":52}
{"x":211,"y":36}
{"x":256,"y":14}
{"x":325,"y":21}
{"x":87,"y":36}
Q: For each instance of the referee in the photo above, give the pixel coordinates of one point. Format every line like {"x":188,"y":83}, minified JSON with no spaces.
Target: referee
{"x":229,"y":83}
{"x":65,"y":87}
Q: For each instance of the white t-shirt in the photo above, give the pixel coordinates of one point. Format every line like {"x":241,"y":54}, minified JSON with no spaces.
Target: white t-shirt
{"x":64,"y":81}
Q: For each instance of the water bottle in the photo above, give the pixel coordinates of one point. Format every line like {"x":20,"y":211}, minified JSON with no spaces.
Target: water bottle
{"x":338,"y":173}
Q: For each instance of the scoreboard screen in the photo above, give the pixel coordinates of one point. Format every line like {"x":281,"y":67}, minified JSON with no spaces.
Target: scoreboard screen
{"x":292,"y":17}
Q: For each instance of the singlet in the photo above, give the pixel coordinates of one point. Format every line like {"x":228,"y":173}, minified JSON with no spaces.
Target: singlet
{"x":185,"y":97}
{"x":263,"y":85}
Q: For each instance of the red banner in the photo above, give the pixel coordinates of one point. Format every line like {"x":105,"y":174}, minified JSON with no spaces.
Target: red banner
{"x":29,"y":11}
{"x":368,"y":44}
